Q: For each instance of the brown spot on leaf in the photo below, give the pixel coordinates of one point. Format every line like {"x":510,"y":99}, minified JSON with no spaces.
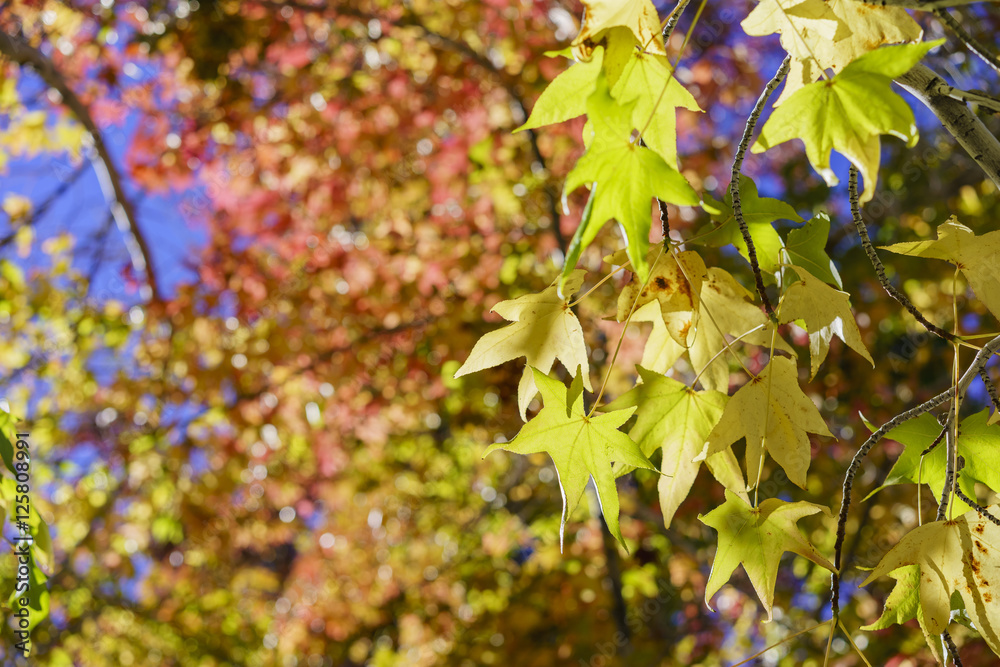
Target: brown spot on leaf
{"x":662,"y":283}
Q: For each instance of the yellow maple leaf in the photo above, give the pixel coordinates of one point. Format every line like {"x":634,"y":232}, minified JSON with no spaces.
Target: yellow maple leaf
{"x":773,"y":414}
{"x":674,"y":282}
{"x":756,"y":538}
{"x":961,"y":555}
{"x":862,"y":28}
{"x":639,"y":16}
{"x":975,"y":256}
{"x":826,"y":311}
{"x":543,"y":329}
{"x":799,"y":22}
{"x":727,"y":309}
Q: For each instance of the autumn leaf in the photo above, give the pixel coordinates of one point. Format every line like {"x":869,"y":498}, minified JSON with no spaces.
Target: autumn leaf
{"x":848,"y":113}
{"x":773,"y":414}
{"x":649,"y":81}
{"x":961,"y":555}
{"x":626,"y":175}
{"x":903,"y":604}
{"x":641,"y":78}
{"x":868,"y":27}
{"x":582,"y":447}
{"x":826,"y":312}
{"x":544,"y":329}
{"x":756,"y":538}
{"x":726,"y":310}
{"x":862,"y":28}
{"x":661,"y":351}
{"x":699,"y":308}
{"x":978,"y":443}
{"x":675,"y":283}
{"x":806,"y":247}
{"x":792,"y":19}
{"x":17,"y":207}
{"x":975,"y":256}
{"x":677,"y":419}
{"x":639,"y":16}
{"x":566,"y":96}
{"x":758,"y":212}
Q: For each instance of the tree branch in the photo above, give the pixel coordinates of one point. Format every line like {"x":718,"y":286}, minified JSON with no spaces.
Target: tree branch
{"x":866,"y":243}
{"x":971,"y":42}
{"x":734,"y":184}
{"x":23,"y":53}
{"x":957,"y":118}
{"x":982,"y":357}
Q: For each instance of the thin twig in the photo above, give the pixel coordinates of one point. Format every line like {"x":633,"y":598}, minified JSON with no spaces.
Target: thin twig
{"x":952,"y":649}
{"x":734,"y":184}
{"x":951,"y":442}
{"x":937,"y":441}
{"x":866,"y":242}
{"x":976,"y":506}
{"x":974,"y":44}
{"x":982,"y":357}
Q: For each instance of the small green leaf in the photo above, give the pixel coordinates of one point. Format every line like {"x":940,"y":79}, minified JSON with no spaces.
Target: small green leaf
{"x":848,"y":113}
{"x":806,"y":247}
{"x":758,"y":212}
{"x":628,"y":177}
{"x":581,"y":446}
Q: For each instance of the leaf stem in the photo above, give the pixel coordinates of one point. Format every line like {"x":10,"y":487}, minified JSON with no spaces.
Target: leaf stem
{"x":779,"y":643}
{"x":722,"y":351}
{"x":621,"y":338}
{"x":708,"y":312}
{"x":767,"y":415}
{"x":851,"y":639}
{"x":600,"y":282}
{"x":670,"y":74}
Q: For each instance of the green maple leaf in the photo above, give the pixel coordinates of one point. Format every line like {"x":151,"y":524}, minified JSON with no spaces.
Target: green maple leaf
{"x":958,"y":556}
{"x":675,"y":418}
{"x":903,"y":605}
{"x":825,"y":311}
{"x":581,"y":447}
{"x":643,"y":80}
{"x":638,"y":16}
{"x":756,"y":537}
{"x":773,"y":413}
{"x":626,"y":175}
{"x":543,"y":328}
{"x":848,"y":113}
{"x":975,"y":256}
{"x":806,"y":247}
{"x":978,"y":443}
{"x":566,"y":95}
{"x":758,"y":212}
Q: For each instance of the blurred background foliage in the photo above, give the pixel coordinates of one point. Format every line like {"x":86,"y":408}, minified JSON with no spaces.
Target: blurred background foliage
{"x":270,"y":464}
